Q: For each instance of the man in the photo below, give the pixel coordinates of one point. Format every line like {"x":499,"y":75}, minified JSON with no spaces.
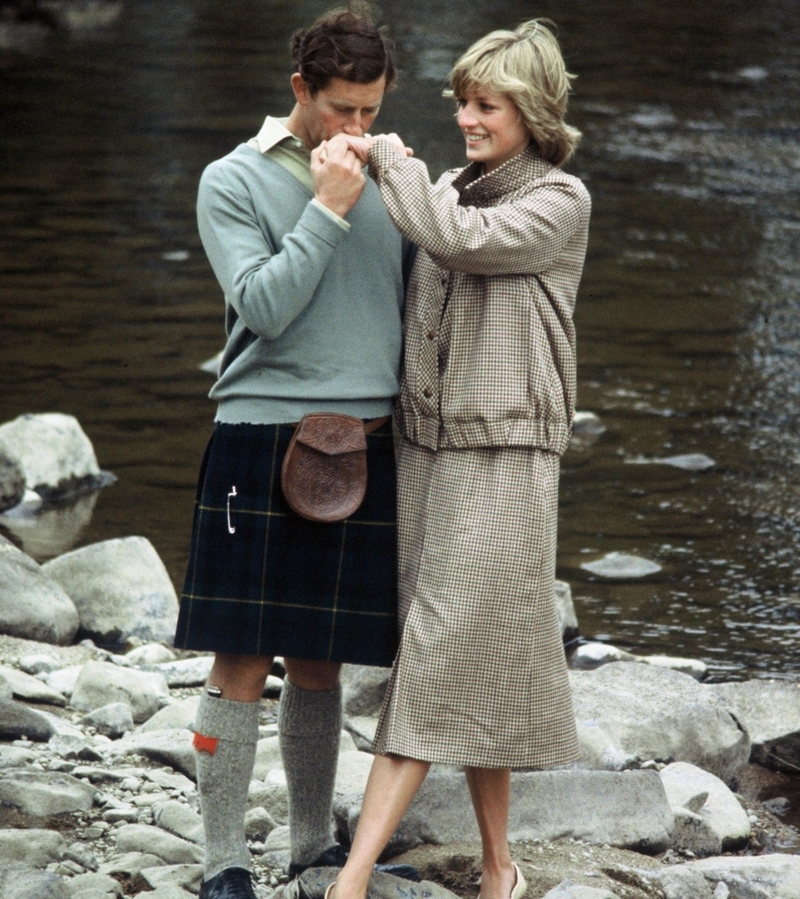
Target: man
{"x":312,"y":271}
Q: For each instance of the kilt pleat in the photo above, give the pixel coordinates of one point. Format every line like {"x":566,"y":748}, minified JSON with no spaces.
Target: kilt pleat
{"x":480,"y":677}
{"x":263,"y":581}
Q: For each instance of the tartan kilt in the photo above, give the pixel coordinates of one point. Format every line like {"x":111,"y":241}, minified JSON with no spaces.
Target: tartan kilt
{"x":480,"y":677}
{"x":279,"y":584}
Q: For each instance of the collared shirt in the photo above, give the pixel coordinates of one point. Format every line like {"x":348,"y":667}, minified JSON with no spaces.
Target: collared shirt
{"x":276,"y":141}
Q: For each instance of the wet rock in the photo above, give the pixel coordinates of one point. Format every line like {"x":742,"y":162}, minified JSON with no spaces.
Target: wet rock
{"x":593,"y":655}
{"x":656,"y":713}
{"x":114,"y":720}
{"x":587,"y":427}
{"x":693,"y":667}
{"x":621,"y":566}
{"x":171,"y":849}
{"x":37,"y":848}
{"x":34,"y":606}
{"x":770,"y":710}
{"x":101,"y":683}
{"x":364,"y":687}
{"x":627,"y":809}
{"x":43,"y":793}
{"x":120,"y":588}
{"x":12,"y":482}
{"x":29,"y":688}
{"x":685,"y":461}
{"x":56,"y":457}
{"x":17,"y":721}
{"x":715,"y":824}
{"x":753,"y":877}
{"x":568,"y":889}
{"x":19,"y":881}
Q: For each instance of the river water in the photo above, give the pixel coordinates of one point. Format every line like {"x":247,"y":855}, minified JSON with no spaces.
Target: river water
{"x":688,"y":327}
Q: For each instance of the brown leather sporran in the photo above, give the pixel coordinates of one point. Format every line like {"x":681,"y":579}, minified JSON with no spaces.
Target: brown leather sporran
{"x":324,"y":471}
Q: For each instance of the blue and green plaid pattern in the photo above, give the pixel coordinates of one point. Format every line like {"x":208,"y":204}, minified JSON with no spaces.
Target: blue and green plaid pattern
{"x":262,"y":581}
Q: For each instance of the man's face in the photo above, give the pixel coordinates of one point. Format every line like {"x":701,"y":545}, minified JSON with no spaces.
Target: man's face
{"x":343,"y":107}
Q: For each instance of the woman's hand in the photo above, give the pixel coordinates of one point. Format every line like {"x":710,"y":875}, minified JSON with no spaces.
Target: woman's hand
{"x":362,"y":145}
{"x":396,"y":142}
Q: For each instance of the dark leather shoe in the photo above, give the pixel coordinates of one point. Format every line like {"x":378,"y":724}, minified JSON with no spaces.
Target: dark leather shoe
{"x":232,"y":883}
{"x":336,"y":856}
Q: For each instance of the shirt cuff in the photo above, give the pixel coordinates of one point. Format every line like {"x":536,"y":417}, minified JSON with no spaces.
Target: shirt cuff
{"x":337,"y":218}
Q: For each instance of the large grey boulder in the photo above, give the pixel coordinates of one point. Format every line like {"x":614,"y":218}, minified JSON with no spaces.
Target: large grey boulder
{"x":624,"y":809}
{"x":120,"y":588}
{"x":708,"y":817}
{"x":44,"y":793}
{"x":34,"y":606}
{"x":770,"y":710}
{"x":12,"y":482}
{"x":54,"y":454}
{"x":101,"y":683}
{"x":656,"y":713}
{"x":753,"y":877}
{"x":363,"y":689}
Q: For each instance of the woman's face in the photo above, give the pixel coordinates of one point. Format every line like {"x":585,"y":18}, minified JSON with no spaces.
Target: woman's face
{"x":492,"y":128}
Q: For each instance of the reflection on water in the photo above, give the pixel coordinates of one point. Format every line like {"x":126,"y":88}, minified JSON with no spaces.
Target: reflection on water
{"x":688,"y":324}
{"x":52,"y":529}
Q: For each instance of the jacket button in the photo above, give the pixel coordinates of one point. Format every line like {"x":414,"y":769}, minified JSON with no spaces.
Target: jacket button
{"x":427,"y":393}
{"x":431,"y":335}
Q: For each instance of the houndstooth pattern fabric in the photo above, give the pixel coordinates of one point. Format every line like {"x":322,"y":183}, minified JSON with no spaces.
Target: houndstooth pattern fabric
{"x":486,"y":406}
{"x":499,"y":263}
{"x":480,"y":678}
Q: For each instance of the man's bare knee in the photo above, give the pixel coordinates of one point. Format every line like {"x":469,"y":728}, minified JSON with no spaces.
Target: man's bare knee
{"x":240,"y":677}
{"x":312,"y":675}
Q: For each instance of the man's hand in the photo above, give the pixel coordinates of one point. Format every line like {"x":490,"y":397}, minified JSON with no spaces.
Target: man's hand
{"x":338,"y":179}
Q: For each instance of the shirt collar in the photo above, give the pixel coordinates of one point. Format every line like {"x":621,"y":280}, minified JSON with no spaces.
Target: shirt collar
{"x":273,"y":132}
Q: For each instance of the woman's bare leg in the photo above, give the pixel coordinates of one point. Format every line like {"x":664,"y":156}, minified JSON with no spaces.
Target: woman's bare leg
{"x":490,"y":789}
{"x":393,"y":782}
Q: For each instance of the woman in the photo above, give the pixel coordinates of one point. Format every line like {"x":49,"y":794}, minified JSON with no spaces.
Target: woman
{"x":486,"y":404}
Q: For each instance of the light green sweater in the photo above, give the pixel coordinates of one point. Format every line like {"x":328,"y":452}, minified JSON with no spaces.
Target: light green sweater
{"x":313,"y":311}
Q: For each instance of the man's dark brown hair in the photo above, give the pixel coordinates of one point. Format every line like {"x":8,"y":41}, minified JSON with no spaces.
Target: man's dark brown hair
{"x":343,"y":43}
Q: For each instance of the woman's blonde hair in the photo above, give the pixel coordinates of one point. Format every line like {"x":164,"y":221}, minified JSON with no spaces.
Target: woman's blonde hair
{"x":526,"y":65}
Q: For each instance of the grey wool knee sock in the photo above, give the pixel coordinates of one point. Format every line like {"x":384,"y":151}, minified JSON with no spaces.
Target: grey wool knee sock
{"x":309,"y":726}
{"x":226,"y":733}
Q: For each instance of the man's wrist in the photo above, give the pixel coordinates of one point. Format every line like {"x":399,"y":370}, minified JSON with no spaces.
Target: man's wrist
{"x":340,"y":220}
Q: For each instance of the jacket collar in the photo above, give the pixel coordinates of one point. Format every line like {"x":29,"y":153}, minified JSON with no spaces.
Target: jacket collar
{"x":517,"y":172}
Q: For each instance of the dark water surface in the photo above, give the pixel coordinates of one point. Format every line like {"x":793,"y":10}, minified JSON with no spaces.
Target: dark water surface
{"x":688,"y":327}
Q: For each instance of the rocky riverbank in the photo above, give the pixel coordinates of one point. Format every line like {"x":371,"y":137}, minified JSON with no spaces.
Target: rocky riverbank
{"x":679,"y":792}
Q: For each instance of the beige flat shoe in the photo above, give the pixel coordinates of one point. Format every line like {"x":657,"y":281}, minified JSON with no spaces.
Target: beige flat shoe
{"x":520,"y":885}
